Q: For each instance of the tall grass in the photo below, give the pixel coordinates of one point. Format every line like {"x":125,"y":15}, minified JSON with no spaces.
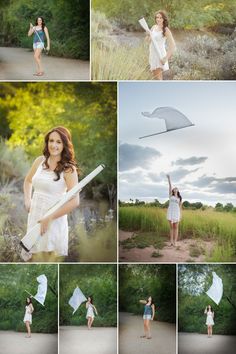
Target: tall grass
{"x":211,"y":225}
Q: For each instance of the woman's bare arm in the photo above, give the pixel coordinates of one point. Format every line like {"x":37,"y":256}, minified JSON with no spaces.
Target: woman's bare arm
{"x":143,"y":302}
{"x":31,"y":30}
{"x":169,"y":182}
{"x":171,"y":45}
{"x":28,"y":182}
{"x":153,"y":311}
{"x":47,"y":36}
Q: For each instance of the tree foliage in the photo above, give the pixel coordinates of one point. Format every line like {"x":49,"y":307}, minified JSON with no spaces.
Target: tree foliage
{"x":138,"y":282}
{"x":98,"y":281}
{"x":183,"y":14}
{"x":14,"y":280}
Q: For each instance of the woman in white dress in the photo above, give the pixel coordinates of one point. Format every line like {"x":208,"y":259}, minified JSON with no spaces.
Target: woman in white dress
{"x":162,"y":36}
{"x":28,"y":316}
{"x":174,"y":212}
{"x":51,"y":176}
{"x":90,"y":312}
{"x":209,"y":320}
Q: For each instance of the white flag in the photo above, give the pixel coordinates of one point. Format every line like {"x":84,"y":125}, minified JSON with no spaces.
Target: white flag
{"x":76,"y":299}
{"x":216,"y":290}
{"x":173,"y":118}
{"x":42,"y":289}
{"x":144,"y":24}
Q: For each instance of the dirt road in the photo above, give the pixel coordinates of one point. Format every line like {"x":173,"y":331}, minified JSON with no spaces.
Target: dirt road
{"x":131,"y":327}
{"x":18,"y":64}
{"x":80,"y":340}
{"x":16,"y":343}
{"x":195,"y":343}
{"x":180,"y":253}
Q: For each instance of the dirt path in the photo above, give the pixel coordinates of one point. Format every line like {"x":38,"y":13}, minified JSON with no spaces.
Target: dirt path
{"x":18,"y":64}
{"x":181,"y":253}
{"x":16,"y":343}
{"x":131,"y":327}
{"x":200,"y":344}
{"x":79,"y":340}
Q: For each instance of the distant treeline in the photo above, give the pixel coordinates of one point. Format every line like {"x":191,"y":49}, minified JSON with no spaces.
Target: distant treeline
{"x":67,"y":21}
{"x":228,"y":207}
{"x":183,"y":14}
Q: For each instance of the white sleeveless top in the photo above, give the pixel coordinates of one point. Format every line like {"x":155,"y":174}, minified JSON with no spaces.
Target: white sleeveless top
{"x":46,"y":193}
{"x":154,"y":59}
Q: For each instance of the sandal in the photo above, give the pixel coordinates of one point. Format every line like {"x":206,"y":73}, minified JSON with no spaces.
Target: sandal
{"x":142,"y":336}
{"x":149,"y":337}
{"x":41,"y":73}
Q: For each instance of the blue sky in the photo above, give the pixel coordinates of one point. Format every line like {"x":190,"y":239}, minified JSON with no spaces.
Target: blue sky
{"x":199,"y":159}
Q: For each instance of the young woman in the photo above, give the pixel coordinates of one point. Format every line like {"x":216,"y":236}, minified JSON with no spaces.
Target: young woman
{"x":209,"y":320}
{"x":51,"y":176}
{"x":40,"y":32}
{"x":174,"y":212}
{"x":28,"y":316}
{"x":90,"y":312}
{"x":161,"y":35}
{"x":148,"y":315}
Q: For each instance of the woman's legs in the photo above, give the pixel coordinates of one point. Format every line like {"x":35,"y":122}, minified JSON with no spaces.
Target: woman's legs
{"x":27,"y":324}
{"x":148,"y":330}
{"x":37,"y":58}
{"x":175,"y":232}
{"x":210,"y":331}
{"x":157,"y":74}
{"x":171,"y":233}
{"x":90,"y":322}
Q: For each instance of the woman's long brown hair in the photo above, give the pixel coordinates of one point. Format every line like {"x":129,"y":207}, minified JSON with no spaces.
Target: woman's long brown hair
{"x":67,"y":161}
{"x":165,"y":20}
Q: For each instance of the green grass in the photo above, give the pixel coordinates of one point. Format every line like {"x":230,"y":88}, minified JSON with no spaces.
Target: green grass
{"x":207,"y":225}
{"x":196,"y":250}
{"x":143,"y":240}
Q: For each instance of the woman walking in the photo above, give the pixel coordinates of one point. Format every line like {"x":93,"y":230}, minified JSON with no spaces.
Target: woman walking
{"x":174,"y":212}
{"x":90,"y":312}
{"x":209,"y":320}
{"x":28,"y":316}
{"x":160,"y":36}
{"x":148,"y":315}
{"x":50,"y":177}
{"x":40,"y":31}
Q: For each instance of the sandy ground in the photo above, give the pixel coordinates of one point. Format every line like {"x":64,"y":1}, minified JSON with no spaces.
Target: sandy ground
{"x":200,"y":344}
{"x":16,"y":343}
{"x":18,"y":64}
{"x":80,"y":340}
{"x":131,"y":328}
{"x":180,"y":253}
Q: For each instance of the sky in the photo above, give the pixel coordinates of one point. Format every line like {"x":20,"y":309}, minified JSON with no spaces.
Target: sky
{"x":199,"y":159}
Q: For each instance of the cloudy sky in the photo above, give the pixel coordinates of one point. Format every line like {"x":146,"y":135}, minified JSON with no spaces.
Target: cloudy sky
{"x":199,"y":159}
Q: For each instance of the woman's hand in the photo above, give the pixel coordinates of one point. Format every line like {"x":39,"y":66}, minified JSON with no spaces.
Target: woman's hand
{"x":48,"y":48}
{"x":164,"y":60}
{"x":45,"y":222}
{"x":27,"y":205}
{"x":168,"y":177}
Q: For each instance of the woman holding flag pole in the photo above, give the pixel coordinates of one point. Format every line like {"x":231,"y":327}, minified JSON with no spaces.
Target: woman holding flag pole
{"x":40,"y":32}
{"x":158,"y":35}
{"x":28,"y":316}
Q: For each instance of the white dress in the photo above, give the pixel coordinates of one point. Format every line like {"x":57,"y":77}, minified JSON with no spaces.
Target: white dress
{"x":173,"y":211}
{"x":90,"y":312}
{"x":154,"y":59}
{"x":28,"y":315}
{"x":209,"y":320}
{"x":46,"y":193}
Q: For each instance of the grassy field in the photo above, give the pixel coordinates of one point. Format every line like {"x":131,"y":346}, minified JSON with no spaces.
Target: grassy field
{"x":209,"y":225}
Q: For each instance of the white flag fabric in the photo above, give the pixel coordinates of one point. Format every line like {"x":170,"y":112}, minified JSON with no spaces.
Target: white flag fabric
{"x":76,"y":299}
{"x":42,"y":289}
{"x":173,"y":118}
{"x":216,"y":290}
{"x":144,"y":24}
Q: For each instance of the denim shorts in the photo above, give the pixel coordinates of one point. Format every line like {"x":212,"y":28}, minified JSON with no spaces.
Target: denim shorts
{"x":147,"y":317}
{"x":38,"y":45}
